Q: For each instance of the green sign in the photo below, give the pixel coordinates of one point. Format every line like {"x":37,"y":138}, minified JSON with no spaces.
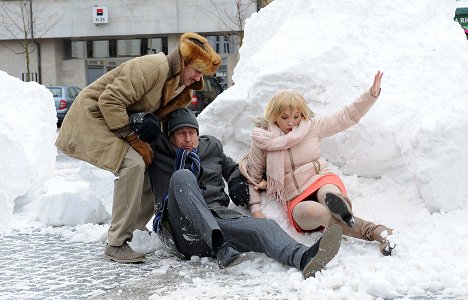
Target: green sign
{"x":461,"y":16}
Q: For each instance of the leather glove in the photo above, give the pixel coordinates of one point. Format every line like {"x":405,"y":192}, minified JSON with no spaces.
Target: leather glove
{"x":239,"y":190}
{"x":143,"y":148}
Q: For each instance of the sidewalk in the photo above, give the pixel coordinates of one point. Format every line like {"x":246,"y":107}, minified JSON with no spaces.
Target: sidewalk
{"x":49,"y":267}
{"x":40,"y":266}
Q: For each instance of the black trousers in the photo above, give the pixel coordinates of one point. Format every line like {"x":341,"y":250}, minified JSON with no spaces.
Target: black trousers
{"x":196,"y":229}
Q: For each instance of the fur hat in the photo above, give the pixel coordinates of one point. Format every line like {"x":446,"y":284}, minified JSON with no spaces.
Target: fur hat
{"x":182,"y":117}
{"x":197,"y":53}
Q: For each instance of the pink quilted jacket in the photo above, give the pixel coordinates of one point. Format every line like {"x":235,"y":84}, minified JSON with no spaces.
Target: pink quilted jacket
{"x":303,"y":163}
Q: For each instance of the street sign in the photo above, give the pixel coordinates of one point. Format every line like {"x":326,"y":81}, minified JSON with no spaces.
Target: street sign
{"x":461,"y":16}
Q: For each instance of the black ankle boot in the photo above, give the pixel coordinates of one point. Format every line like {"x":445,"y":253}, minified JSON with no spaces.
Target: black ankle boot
{"x":339,"y":207}
{"x":322,"y":252}
{"x":227,"y":256}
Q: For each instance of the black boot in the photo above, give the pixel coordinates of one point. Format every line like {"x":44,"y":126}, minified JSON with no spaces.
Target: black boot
{"x":338,"y":206}
{"x":227,"y":256}
{"x":322,"y":252}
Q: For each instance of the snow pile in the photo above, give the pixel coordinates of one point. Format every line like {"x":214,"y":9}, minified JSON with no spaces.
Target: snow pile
{"x":330,"y":50}
{"x":77,"y":195}
{"x":27,"y":134}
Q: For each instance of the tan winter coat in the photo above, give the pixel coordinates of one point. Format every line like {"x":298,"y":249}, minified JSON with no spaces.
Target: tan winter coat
{"x":143,"y":84}
{"x":303,"y":163}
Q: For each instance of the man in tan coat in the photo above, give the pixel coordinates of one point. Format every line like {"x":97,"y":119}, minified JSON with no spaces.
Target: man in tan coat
{"x":96,"y":129}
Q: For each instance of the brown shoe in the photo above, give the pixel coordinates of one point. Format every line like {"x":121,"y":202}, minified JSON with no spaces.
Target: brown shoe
{"x":123,"y":254}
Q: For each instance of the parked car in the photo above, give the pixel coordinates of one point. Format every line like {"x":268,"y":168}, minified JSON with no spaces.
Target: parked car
{"x":201,"y":99}
{"x":64,"y":97}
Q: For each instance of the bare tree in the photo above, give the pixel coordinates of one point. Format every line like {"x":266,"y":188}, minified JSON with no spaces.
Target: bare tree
{"x":234,"y":19}
{"x":21,"y":22}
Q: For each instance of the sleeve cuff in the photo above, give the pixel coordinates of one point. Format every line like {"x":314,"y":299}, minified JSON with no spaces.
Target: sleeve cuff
{"x":123,"y":132}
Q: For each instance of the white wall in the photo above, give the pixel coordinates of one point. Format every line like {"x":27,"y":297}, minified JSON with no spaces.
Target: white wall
{"x":73,"y":18}
{"x":13,"y":61}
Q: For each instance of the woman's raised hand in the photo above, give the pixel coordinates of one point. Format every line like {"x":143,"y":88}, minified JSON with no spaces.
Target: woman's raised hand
{"x":375,"y":91}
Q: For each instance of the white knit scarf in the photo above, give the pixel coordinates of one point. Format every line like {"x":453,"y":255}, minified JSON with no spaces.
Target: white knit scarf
{"x":276,"y":143}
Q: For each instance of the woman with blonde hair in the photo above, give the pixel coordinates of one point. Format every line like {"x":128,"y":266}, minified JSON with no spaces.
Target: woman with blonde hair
{"x":286,"y":147}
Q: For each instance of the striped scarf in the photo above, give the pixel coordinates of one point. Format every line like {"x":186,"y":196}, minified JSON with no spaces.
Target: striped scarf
{"x":180,"y":162}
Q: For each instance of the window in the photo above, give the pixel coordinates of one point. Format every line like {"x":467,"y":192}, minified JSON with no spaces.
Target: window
{"x":114,"y":48}
{"x":129,"y":47}
{"x":157,"y":45}
{"x":226,"y":45}
{"x":223,"y":44}
{"x":100,"y":49}
{"x":56,"y":91}
{"x":75,"y":49}
{"x":73,"y":92}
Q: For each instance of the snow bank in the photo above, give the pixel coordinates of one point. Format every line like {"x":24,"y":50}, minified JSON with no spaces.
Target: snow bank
{"x":27,"y":134}
{"x":330,"y":51}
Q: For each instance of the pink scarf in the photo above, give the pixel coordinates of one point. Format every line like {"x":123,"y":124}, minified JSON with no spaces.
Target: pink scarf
{"x":275,"y":142}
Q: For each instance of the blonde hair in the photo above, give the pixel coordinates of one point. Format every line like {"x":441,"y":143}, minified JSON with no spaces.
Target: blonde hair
{"x":283,"y":100}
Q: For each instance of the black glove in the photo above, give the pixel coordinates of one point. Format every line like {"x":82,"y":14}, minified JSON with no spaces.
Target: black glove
{"x":239,"y":190}
{"x":146,"y":125}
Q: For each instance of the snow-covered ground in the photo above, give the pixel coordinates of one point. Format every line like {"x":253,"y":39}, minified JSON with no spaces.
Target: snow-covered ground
{"x":404,"y":165}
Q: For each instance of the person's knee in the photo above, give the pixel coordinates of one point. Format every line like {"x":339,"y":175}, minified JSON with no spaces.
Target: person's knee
{"x":182,"y":176}
{"x":304,"y":212}
{"x":260,"y":227}
{"x":301,"y":213}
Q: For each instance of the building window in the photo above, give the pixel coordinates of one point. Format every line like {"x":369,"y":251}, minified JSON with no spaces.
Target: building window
{"x":100,"y":49}
{"x":226,"y":44}
{"x":129,"y":47}
{"x":214,"y":42}
{"x":113,"y":48}
{"x":157,"y":45}
{"x":67,"y":49}
{"x":223,"y":44}
{"x":143,"y":46}
{"x":74,"y":49}
{"x":89,"y":49}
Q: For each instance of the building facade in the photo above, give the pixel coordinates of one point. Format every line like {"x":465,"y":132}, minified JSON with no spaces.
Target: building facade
{"x":73,"y":42}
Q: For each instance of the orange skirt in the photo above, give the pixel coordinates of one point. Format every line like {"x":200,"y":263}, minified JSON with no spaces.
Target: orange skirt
{"x":325,"y":179}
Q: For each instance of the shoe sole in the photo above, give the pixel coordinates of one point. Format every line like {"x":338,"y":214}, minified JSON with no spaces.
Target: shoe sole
{"x":240,"y":259}
{"x":338,"y":206}
{"x":125,"y":261}
{"x":328,"y":248}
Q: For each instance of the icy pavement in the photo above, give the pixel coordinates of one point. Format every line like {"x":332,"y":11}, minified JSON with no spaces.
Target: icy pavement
{"x":43,"y":266}
{"x":40,"y":266}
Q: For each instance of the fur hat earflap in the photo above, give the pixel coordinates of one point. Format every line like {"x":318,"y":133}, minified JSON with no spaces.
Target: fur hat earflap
{"x":197,"y":53}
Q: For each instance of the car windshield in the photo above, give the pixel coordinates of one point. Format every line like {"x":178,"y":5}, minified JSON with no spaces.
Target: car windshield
{"x":56,"y":91}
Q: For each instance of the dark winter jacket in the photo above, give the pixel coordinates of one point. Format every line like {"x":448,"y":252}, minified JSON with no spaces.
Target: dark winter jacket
{"x":216,"y":168}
